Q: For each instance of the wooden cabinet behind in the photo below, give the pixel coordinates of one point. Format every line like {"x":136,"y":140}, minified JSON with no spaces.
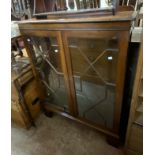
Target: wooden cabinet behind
{"x":28,"y":89}
{"x":81,"y":63}
{"x":134,"y":137}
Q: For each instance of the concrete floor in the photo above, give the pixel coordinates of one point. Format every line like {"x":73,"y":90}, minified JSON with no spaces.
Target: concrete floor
{"x":59,"y":136}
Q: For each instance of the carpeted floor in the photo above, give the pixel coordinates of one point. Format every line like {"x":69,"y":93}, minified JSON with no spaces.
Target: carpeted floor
{"x":59,"y":136}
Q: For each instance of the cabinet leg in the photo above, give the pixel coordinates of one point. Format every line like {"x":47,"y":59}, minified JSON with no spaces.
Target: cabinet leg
{"x":113,"y":141}
{"x":47,"y":113}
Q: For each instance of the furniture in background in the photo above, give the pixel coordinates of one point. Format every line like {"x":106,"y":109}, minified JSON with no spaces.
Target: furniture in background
{"x":27,"y":9}
{"x":25,"y":97}
{"x":25,"y":91}
{"x":81,"y":64}
{"x":21,"y":9}
{"x":76,"y":8}
{"x":134,"y":136}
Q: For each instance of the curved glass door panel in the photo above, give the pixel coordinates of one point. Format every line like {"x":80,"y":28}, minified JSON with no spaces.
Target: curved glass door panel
{"x":94,"y":64}
{"x":46,"y":53}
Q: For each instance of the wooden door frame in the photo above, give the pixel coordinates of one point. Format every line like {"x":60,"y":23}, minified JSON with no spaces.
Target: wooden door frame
{"x":123,"y":39}
{"x":57,"y":34}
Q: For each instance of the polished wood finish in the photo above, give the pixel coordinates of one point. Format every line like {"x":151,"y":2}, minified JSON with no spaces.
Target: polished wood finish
{"x":120,"y":78}
{"x":115,"y":28}
{"x":65,"y":70}
{"x":120,"y":16}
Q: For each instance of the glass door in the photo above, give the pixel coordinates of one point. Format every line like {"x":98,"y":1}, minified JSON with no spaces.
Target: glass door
{"x":47,"y":55}
{"x":92,"y":57}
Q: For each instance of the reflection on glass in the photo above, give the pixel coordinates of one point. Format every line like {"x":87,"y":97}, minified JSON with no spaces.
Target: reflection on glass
{"x":47,"y":60}
{"x":71,"y":5}
{"x":94,"y":64}
{"x":105,"y":3}
{"x":45,"y":6}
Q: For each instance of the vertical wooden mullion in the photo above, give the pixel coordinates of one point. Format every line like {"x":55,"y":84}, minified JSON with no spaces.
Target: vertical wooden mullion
{"x":67,"y":75}
{"x":70,"y":76}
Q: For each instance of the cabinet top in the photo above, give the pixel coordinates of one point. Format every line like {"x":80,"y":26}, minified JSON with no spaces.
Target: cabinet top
{"x":120,"y":16}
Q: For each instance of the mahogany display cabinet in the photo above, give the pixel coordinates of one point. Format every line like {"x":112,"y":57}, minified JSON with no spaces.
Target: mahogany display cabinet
{"x":81,"y":65}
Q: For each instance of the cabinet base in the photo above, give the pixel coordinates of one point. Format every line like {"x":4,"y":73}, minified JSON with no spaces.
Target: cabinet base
{"x":113,"y":141}
{"x":113,"y":138}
